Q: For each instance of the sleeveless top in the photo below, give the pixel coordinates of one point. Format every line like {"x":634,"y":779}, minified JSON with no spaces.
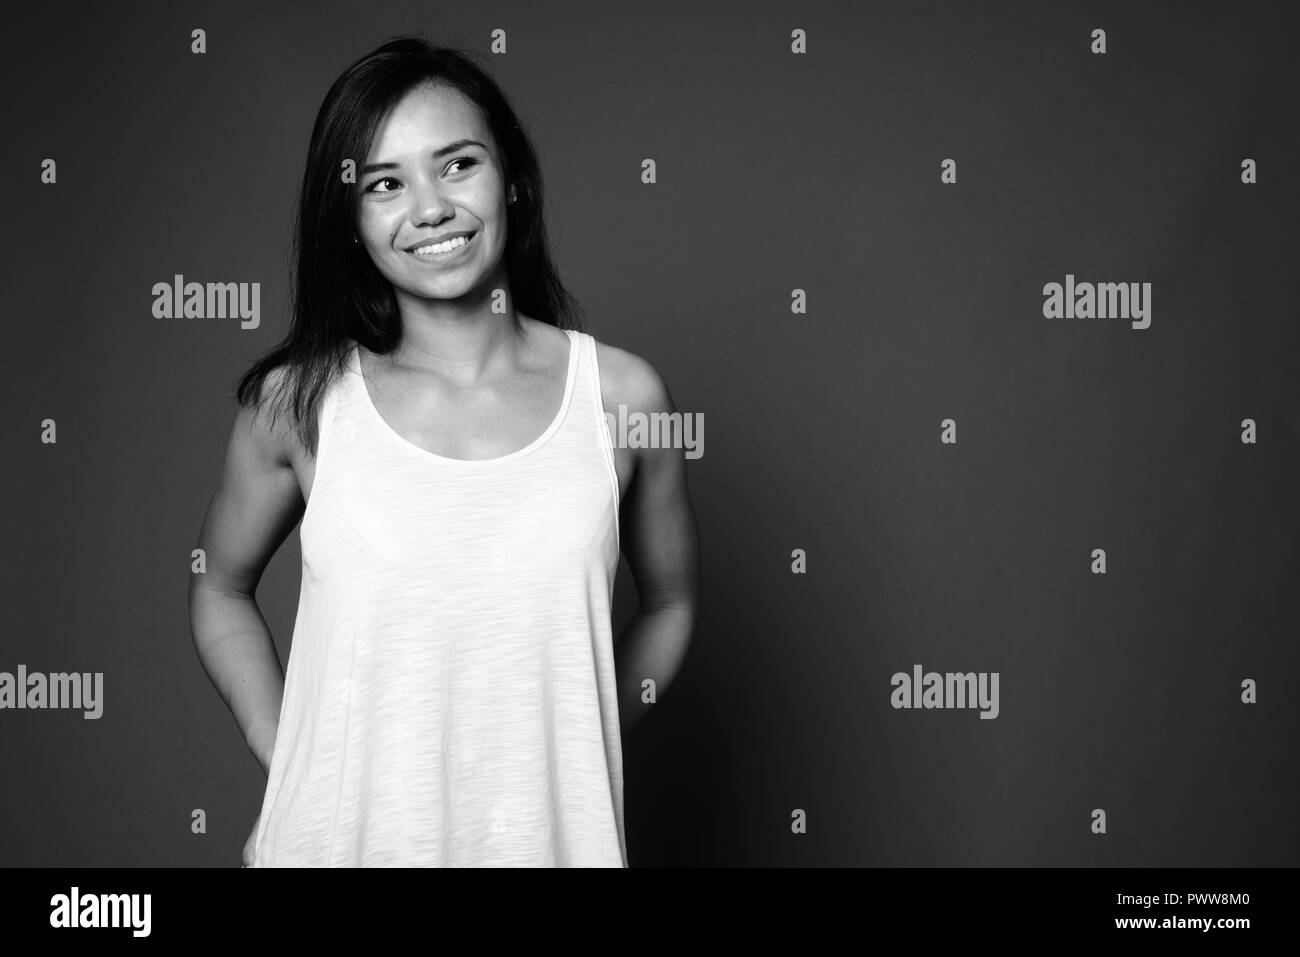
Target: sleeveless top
{"x":450,"y":696}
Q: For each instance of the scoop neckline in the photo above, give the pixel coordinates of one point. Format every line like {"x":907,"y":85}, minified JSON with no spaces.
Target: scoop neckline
{"x":373,"y":412}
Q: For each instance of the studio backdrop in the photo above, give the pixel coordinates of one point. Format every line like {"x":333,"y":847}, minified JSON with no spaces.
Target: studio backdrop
{"x":988,"y":312}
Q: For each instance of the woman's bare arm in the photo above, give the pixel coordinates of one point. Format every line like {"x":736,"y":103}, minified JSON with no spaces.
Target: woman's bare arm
{"x":256,"y":504}
{"x":661,"y":544}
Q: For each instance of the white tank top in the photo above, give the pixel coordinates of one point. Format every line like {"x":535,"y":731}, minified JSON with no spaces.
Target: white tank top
{"x":450,"y":696}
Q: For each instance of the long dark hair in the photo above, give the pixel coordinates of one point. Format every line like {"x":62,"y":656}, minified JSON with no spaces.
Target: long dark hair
{"x":338,"y":294}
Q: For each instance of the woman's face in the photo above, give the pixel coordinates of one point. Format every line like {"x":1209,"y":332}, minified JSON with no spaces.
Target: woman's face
{"x":433,"y":172}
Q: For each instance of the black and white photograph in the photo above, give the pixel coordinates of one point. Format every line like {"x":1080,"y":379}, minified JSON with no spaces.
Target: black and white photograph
{"x":360,"y":511}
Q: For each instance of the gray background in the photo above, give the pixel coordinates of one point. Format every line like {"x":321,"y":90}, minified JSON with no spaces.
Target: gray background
{"x":822,"y":431}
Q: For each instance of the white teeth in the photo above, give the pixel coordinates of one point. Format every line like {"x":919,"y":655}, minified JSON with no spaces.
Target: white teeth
{"x":442,"y":247}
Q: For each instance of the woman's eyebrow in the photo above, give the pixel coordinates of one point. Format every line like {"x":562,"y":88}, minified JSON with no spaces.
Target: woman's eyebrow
{"x":436,"y":154}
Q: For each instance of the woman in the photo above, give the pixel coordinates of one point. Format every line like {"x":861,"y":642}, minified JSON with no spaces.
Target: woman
{"x":435,"y":418}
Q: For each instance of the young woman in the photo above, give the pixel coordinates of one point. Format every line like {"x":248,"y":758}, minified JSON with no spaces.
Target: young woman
{"x":453,"y":695}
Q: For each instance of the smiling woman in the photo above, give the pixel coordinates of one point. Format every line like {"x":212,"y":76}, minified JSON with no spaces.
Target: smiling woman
{"x":401,"y":170}
{"x":436,"y":418}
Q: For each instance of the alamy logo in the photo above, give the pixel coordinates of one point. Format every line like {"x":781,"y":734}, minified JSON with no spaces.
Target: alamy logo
{"x":1103,"y":300}
{"x":102,"y":910}
{"x":56,"y":690}
{"x":657,"y":430}
{"x":214,"y":300}
{"x":951,"y":690}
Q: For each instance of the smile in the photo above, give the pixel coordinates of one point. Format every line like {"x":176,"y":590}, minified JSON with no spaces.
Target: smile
{"x":445,"y":251}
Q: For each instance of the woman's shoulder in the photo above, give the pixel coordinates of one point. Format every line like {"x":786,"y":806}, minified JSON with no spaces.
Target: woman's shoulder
{"x":630,"y":380}
{"x":274,"y":414}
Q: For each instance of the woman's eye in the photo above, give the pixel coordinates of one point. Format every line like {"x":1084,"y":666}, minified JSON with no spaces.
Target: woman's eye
{"x":467,"y":161}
